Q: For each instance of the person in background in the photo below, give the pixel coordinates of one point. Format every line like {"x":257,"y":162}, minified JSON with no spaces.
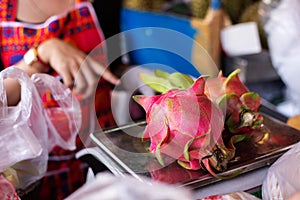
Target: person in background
{"x":54,"y":37}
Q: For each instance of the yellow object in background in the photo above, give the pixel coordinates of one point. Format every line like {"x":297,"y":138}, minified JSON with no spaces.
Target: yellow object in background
{"x":199,"y":8}
{"x":294,"y":122}
{"x":146,"y":5}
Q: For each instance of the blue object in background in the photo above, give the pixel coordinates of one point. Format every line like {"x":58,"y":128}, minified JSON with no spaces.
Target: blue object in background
{"x":159,"y":41}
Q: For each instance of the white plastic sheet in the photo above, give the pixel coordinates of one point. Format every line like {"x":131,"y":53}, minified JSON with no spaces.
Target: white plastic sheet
{"x":63,"y":120}
{"x":109,"y":187}
{"x":23,"y":130}
{"x":283,"y":35}
{"x":283,"y":178}
{"x":27,"y":131}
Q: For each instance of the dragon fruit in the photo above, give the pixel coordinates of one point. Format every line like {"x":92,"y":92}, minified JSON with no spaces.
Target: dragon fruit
{"x":187,"y":126}
{"x":188,"y":119}
{"x":163,"y":81}
{"x":240,"y":106}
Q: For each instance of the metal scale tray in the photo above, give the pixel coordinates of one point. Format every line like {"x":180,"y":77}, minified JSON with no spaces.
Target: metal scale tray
{"x":123,"y":152}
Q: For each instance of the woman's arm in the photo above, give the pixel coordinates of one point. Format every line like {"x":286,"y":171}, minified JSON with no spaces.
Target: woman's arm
{"x":73,"y":65}
{"x":13,"y":91}
{"x":12,"y":86}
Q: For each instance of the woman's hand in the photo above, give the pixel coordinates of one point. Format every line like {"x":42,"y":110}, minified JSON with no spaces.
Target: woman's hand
{"x":78,"y":71}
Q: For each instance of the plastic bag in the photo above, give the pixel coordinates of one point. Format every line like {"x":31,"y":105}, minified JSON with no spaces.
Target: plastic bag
{"x":23,"y":138}
{"x":109,"y":187}
{"x":232,"y":196}
{"x":281,"y":23}
{"x":62,"y":111}
{"x":30,"y":130}
{"x":282,"y":179}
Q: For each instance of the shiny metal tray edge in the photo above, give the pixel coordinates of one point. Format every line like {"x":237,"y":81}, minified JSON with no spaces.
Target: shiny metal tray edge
{"x":261,"y":161}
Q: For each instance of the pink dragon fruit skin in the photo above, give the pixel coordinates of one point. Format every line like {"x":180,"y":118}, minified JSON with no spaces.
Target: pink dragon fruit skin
{"x":239,"y":105}
{"x":183,"y":124}
{"x":188,"y":125}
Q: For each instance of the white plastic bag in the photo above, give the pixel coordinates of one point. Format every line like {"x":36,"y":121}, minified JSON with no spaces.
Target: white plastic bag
{"x":63,"y":119}
{"x":232,"y":196}
{"x":109,"y":187}
{"x":28,"y":131}
{"x":23,"y":133}
{"x":283,"y":33}
{"x":283,"y":177}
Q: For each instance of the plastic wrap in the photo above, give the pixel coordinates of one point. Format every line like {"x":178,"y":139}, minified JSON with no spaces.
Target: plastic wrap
{"x":282,"y":179}
{"x":63,"y":114}
{"x":30,"y":129}
{"x":23,"y":138}
{"x":109,"y":187}
{"x":232,"y":196}
{"x":281,"y":24}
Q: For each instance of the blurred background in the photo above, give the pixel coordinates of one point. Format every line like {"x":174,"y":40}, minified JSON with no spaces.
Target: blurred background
{"x":232,"y":32}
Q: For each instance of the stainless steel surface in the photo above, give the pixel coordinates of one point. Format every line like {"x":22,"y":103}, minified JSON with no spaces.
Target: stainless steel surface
{"x":123,"y":147}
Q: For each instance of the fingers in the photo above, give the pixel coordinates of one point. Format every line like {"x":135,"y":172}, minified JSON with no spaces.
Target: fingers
{"x":78,"y":71}
{"x":103,"y":72}
{"x":110,"y":77}
{"x":86,"y":81}
{"x":67,"y":79}
{"x":80,"y":83}
{"x":88,"y":76}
